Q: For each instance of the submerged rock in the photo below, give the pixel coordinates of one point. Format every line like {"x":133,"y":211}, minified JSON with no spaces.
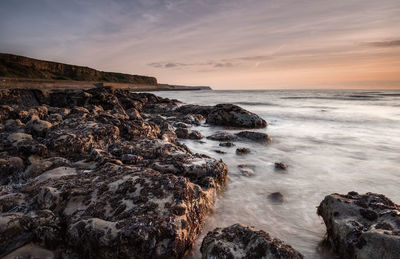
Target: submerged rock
{"x":242,"y":151}
{"x":222,"y":136}
{"x":276,"y":197}
{"x":255,"y":136}
{"x":238,"y":241}
{"x":280,"y":166}
{"x":226,"y":144}
{"x":362,"y":225}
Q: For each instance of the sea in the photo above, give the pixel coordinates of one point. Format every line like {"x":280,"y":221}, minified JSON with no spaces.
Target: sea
{"x":333,"y":141}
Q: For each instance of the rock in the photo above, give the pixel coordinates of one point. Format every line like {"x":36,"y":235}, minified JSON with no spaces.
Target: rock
{"x":41,"y":166}
{"x":222,"y":136}
{"x":10,"y":167}
{"x":246,"y":170}
{"x":255,"y":136}
{"x":219,"y":151}
{"x":133,"y":114}
{"x":234,"y":116}
{"x":38,"y":127}
{"x":242,"y":151}
{"x":280,"y":166}
{"x":24,"y":145}
{"x":131,"y":159}
{"x":18,"y":229}
{"x":30,"y":251}
{"x":276,"y":197}
{"x":13,"y":125}
{"x":185,"y":133}
{"x":238,"y":241}
{"x":226,"y":144}
{"x":362,"y":225}
{"x":181,"y":125}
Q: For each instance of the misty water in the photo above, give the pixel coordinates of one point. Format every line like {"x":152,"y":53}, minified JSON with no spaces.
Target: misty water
{"x":332,"y":141}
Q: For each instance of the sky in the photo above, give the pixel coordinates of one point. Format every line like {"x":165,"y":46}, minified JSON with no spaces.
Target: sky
{"x":226,"y":44}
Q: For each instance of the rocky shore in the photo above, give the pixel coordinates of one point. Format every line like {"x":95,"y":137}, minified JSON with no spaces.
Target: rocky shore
{"x":101,"y":173}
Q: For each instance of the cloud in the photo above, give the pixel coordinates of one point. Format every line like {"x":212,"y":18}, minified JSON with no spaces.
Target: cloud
{"x":382,"y":44}
{"x":227,"y":64}
{"x":204,"y":65}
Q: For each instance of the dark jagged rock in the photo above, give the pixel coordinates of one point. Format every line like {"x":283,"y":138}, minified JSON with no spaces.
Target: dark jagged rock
{"x":246,"y":170}
{"x":276,"y":197}
{"x":255,"y":136}
{"x":233,"y":115}
{"x":219,"y":151}
{"x":185,"y":133}
{"x":238,"y":241}
{"x":280,"y":166}
{"x":242,"y":151}
{"x":222,"y":136}
{"x":98,"y":173}
{"x":362,"y":225}
{"x":225,"y":115}
{"x":226,"y":144}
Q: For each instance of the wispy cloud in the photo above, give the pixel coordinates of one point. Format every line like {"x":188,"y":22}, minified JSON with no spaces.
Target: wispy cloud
{"x":382,"y":44}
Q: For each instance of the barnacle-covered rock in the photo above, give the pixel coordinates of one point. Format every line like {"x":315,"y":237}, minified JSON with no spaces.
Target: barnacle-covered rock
{"x":238,"y":241}
{"x":362,"y":225}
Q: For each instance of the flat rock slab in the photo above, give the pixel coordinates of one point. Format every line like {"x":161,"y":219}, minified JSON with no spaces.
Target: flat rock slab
{"x":238,"y":241}
{"x":362,"y":226}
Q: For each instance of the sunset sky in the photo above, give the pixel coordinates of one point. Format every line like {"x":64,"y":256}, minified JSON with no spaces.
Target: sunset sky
{"x":227,"y":44}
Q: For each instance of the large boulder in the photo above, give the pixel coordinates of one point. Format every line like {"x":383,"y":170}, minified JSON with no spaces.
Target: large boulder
{"x":238,"y":241}
{"x":234,"y":116}
{"x":362,"y":225}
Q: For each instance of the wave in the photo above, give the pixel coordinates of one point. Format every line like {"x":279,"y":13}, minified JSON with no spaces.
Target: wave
{"x":256,"y":103}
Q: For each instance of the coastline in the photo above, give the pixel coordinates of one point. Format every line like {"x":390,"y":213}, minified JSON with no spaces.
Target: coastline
{"x":102,"y":162}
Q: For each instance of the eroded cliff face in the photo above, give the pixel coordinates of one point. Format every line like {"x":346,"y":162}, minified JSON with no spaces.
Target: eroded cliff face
{"x":24,"y":67}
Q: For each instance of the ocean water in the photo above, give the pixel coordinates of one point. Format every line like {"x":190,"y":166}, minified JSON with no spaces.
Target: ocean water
{"x":332,"y":141}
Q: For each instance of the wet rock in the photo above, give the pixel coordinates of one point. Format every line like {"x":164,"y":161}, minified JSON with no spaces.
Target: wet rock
{"x":43,"y":165}
{"x":246,"y":170}
{"x":254,"y":136}
{"x":133,"y":114}
{"x":226,"y":144}
{"x":13,"y":125}
{"x":222,"y":136}
{"x":167,"y":132}
{"x":194,"y":109}
{"x":131,"y":159}
{"x":181,"y":125}
{"x":276,"y":197}
{"x":31,"y":251}
{"x":10,"y":167}
{"x":238,"y":241}
{"x":38,"y":127}
{"x":18,"y":229}
{"x":233,"y":115}
{"x":219,"y":151}
{"x":242,"y":151}
{"x":280,"y":166}
{"x":362,"y":225}
{"x":24,"y":145}
{"x":185,"y":133}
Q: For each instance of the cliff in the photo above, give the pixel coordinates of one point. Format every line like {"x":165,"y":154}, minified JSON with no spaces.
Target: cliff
{"x":13,"y":66}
